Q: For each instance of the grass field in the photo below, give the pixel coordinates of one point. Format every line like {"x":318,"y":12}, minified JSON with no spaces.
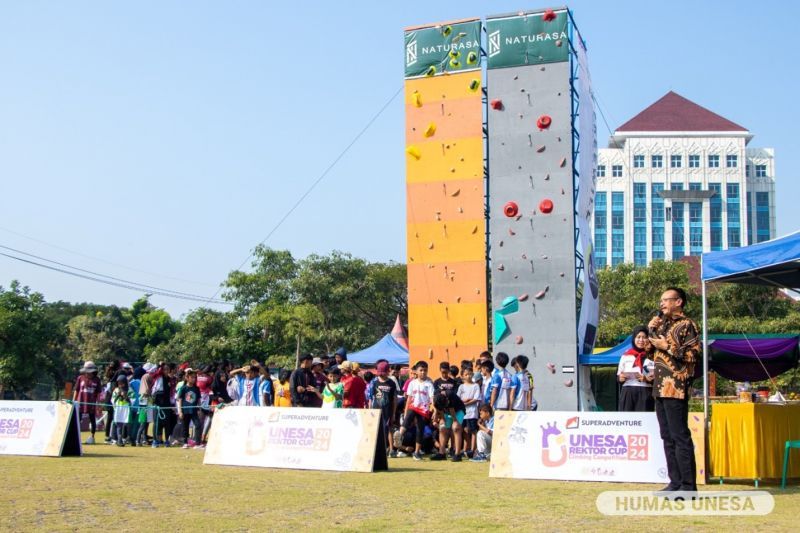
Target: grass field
{"x":142,"y":489}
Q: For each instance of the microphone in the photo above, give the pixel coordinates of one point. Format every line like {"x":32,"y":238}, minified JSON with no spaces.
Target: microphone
{"x":660,"y":315}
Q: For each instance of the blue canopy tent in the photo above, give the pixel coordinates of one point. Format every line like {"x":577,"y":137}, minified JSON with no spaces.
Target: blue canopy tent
{"x":608,"y":357}
{"x":775,"y":263}
{"x":386,"y":348}
{"x":736,"y":357}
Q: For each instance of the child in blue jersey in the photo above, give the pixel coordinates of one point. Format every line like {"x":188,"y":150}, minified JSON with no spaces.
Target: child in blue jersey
{"x":248,"y":384}
{"x":520,"y":398}
{"x":486,"y":368}
{"x":500,"y":384}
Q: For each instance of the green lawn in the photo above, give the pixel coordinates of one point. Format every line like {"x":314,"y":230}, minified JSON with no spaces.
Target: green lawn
{"x":142,"y":489}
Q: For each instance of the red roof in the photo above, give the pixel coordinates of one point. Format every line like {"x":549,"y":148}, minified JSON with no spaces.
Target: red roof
{"x":673,"y":112}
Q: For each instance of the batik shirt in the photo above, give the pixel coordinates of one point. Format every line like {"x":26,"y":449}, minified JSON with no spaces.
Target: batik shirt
{"x":674,"y":368}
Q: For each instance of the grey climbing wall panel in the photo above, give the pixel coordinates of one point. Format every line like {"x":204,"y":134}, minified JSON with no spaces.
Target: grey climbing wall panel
{"x":532,"y":253}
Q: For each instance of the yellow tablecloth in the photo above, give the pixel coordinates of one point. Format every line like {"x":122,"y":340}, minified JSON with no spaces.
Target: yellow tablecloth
{"x":747,"y":440}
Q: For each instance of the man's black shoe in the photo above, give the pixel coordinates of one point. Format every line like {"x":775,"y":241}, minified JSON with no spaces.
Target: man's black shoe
{"x":682,"y":495}
{"x":666,"y":491}
{"x":438,"y":457}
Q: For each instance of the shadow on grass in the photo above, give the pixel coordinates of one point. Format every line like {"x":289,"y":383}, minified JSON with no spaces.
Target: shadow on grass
{"x":106,"y":455}
{"x":405,"y":469}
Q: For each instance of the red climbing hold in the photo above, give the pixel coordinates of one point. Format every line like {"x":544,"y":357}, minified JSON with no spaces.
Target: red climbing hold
{"x":511,"y":209}
{"x":546,"y":206}
{"x":549,"y":15}
{"x":496,"y":104}
{"x":543,"y":122}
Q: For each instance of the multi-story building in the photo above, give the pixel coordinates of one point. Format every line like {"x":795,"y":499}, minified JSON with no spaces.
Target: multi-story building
{"x":679,"y":180}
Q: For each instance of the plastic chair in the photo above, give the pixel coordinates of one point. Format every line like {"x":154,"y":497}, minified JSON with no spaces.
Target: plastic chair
{"x":789,"y":444}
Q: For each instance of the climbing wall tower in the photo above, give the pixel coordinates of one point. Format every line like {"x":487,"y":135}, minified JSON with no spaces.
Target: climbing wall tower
{"x":534,"y":182}
{"x":446,"y":237}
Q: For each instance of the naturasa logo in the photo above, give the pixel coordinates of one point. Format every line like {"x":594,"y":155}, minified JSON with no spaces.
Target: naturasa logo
{"x":496,"y":40}
{"x":411,"y":53}
{"x":557,"y":447}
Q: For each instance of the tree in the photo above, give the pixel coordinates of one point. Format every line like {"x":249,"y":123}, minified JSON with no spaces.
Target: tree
{"x":205,"y":337}
{"x":270,"y":281}
{"x":103,"y":336}
{"x":629,"y":296}
{"x":151,"y":326}
{"x":328,"y":301}
{"x":26,"y":335}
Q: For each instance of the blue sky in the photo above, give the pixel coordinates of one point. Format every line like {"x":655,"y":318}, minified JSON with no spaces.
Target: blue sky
{"x":160,"y":141}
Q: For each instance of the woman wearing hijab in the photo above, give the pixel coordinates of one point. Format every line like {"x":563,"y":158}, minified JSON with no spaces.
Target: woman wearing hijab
{"x":635,"y":372}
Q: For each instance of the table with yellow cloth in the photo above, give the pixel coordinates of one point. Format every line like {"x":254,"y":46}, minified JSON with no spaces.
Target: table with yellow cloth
{"x":747,"y":440}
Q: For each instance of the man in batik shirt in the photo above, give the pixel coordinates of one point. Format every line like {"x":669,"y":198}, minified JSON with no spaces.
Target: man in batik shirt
{"x":676,"y":345}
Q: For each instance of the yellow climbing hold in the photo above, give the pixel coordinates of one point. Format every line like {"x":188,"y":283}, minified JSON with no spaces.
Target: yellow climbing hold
{"x":474,"y":85}
{"x":447,"y":30}
{"x":430,"y":130}
{"x":414,"y":152}
{"x":472,"y":58}
{"x":455,"y":63}
{"x":416,"y":99}
{"x":431,"y":71}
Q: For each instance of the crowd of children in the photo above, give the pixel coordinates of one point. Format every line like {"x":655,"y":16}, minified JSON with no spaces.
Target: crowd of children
{"x":158,"y":404}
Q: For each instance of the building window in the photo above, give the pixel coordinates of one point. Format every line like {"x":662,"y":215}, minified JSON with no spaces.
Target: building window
{"x":695,"y":212}
{"x":715,"y":210}
{"x":657,"y":221}
{"x":732,"y":206}
{"x":694,"y":161}
{"x":616,"y":171}
{"x":675,"y":161}
{"x":695,"y":186}
{"x":762,"y":216}
{"x":678,"y":249}
{"x":640,"y":224}
{"x":638,"y":161}
{"x":713,"y":161}
{"x":657,"y":161}
{"x":617,"y":228}
{"x":734,"y":238}
{"x":676,"y":187}
{"x":601,"y":171}
{"x":732,"y":161}
{"x":761,"y":171}
{"x":600,"y":228}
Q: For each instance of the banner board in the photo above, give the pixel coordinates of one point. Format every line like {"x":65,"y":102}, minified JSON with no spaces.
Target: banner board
{"x":585,"y":446}
{"x":443,"y":48}
{"x":48,"y":429}
{"x":347,"y":440}
{"x":527,"y":39}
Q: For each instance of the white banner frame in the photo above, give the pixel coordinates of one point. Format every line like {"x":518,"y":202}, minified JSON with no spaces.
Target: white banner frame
{"x":585,"y":446}
{"x":48,"y":429}
{"x":345,"y":440}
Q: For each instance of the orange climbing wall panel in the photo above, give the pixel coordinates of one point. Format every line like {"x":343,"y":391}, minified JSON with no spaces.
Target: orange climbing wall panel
{"x":446,"y":230}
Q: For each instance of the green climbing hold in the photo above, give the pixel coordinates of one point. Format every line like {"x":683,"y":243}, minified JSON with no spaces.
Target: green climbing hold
{"x":510,"y":305}
{"x":500,"y":327}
